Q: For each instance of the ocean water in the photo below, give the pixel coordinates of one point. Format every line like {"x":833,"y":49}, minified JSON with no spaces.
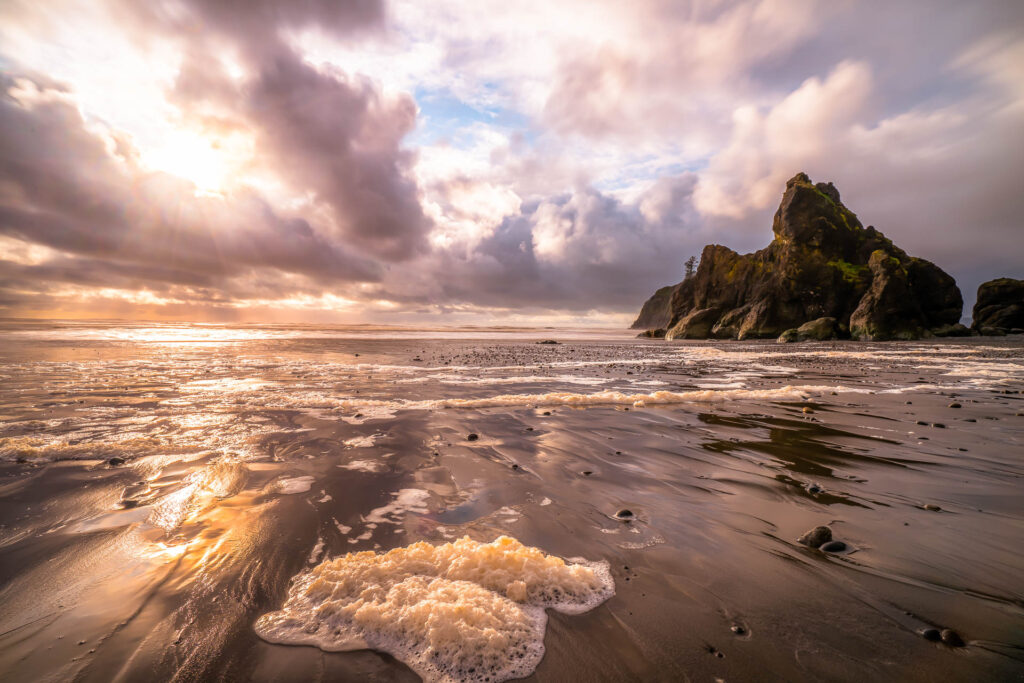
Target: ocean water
{"x":184,"y":502}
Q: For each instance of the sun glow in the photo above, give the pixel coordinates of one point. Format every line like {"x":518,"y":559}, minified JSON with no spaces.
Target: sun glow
{"x":211,"y":164}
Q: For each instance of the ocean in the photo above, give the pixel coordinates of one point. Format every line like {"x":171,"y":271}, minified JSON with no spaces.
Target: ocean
{"x":294,"y":502}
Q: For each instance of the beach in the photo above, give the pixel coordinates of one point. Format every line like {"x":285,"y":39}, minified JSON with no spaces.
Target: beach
{"x":163,"y":486}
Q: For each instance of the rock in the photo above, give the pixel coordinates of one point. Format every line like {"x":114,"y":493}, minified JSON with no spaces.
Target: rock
{"x":931,"y":508}
{"x":999,"y":307}
{"x":472,"y":437}
{"x":115,"y":461}
{"x":955,"y":405}
{"x":833,"y":547}
{"x":738,"y":630}
{"x":807,"y":410}
{"x":951,"y":638}
{"x":658,"y":333}
{"x":888,"y":310}
{"x":816,"y":537}
{"x":656,"y":311}
{"x":818,"y":329}
{"x":821,"y":265}
{"x":696,"y":325}
{"x":625,"y":515}
{"x":789,"y":336}
{"x":932,"y":634}
{"x":548,"y":341}
{"x":956,"y":330}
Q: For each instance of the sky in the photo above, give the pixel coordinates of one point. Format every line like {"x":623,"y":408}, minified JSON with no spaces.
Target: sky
{"x":482,"y":162}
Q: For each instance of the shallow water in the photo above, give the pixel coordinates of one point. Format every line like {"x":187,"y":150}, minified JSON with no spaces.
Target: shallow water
{"x":251,"y":454}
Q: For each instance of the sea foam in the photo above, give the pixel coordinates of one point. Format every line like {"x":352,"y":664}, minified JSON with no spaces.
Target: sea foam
{"x":462,"y":611}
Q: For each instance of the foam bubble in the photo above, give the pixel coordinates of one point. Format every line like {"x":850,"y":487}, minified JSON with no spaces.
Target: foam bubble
{"x":294,"y":485}
{"x":462,"y":611}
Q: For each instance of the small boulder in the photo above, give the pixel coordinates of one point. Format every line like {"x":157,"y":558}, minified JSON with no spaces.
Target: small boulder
{"x":816,"y":537}
{"x":818,"y":329}
{"x":951,"y":638}
{"x":789,"y":336}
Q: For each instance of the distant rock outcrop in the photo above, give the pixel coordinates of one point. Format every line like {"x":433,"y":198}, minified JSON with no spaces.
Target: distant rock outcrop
{"x":1000,"y":307}
{"x":823,"y":267}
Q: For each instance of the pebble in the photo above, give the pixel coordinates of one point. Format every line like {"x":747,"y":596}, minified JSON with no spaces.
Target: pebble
{"x":115,"y":461}
{"x":625,"y":515}
{"x":816,"y":537}
{"x":808,"y":410}
{"x":951,"y":638}
{"x":546,"y":412}
{"x":472,"y":437}
{"x":587,"y":473}
{"x":739,"y":630}
{"x":833,"y":547}
{"x":955,"y":405}
{"x":939,"y":425}
{"x":931,"y":634}
{"x":933,"y":508}
{"x":814,"y":488}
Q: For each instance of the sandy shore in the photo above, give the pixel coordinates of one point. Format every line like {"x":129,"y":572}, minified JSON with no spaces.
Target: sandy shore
{"x":156,"y":500}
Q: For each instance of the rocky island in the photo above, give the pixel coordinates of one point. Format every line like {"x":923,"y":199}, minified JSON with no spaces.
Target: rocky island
{"x":823,"y":276}
{"x":999,"y":308}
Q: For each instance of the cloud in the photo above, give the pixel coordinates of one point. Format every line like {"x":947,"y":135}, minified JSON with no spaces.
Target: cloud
{"x":408,"y":158}
{"x":101,"y":218}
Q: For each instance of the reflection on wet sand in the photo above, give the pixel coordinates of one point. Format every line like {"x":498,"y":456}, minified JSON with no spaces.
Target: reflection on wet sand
{"x":157,"y":502}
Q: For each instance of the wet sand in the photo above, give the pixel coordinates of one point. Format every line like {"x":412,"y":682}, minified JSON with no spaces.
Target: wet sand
{"x":158,"y":493}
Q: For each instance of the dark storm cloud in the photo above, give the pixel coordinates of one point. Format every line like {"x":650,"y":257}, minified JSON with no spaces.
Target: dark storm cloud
{"x":62,"y":187}
{"x":579,"y":251}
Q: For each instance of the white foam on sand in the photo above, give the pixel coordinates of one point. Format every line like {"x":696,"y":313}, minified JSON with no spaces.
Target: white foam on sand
{"x":406,"y":500}
{"x":293,"y":485}
{"x":363,"y":466}
{"x":361,"y":441}
{"x":462,"y":611}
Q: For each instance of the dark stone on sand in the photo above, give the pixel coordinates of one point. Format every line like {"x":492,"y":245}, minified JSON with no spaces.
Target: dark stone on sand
{"x":816,"y":537}
{"x":922,"y":423}
{"x":788,"y":337}
{"x":931,"y":508}
{"x":955,"y":330}
{"x":587,"y":473}
{"x":546,"y":413}
{"x":932,"y":634}
{"x":658,"y":333}
{"x":833,"y":547}
{"x":515,"y":466}
{"x":115,"y":461}
{"x":1000,"y":307}
{"x":129,"y":503}
{"x":472,"y":437}
{"x":951,"y":638}
{"x":739,"y":630}
{"x":823,"y":274}
{"x":625,"y":515}
{"x":939,"y":425}
{"x":808,"y":410}
{"x":814,"y":488}
{"x":955,"y":405}
{"x":548,"y":341}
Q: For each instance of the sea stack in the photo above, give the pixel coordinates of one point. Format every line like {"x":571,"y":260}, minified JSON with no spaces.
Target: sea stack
{"x":1000,"y":307}
{"x":823,"y":276}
